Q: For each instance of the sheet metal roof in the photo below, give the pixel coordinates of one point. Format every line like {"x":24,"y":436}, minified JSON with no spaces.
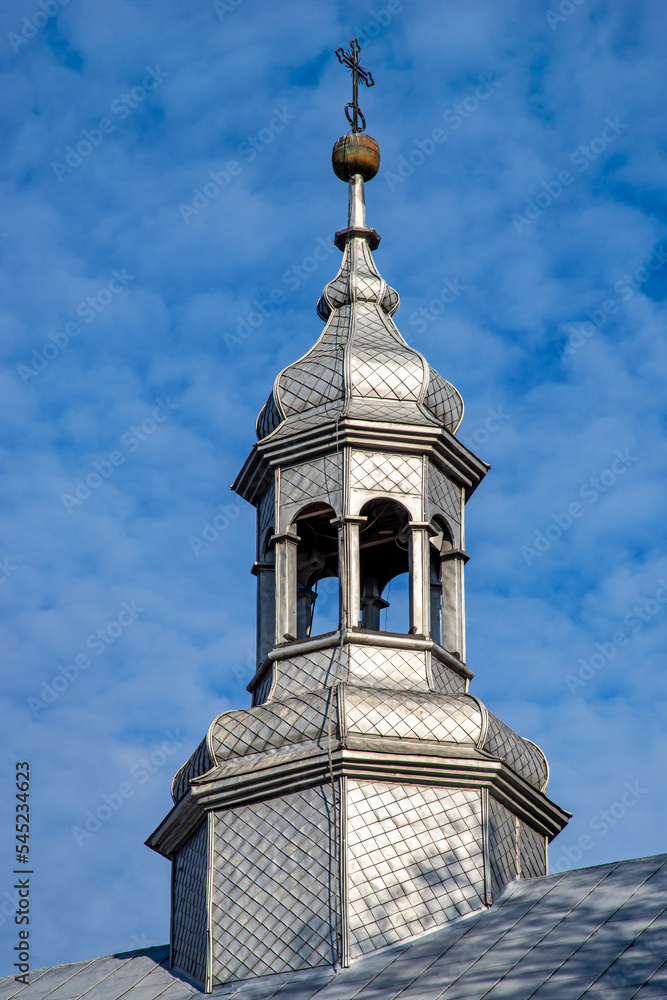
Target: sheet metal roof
{"x":598,"y":932}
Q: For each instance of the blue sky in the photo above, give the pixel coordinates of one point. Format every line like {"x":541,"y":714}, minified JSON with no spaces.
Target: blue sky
{"x":521,"y":205}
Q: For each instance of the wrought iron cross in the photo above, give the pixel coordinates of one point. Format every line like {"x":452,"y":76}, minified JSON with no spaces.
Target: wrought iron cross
{"x":351,"y":59}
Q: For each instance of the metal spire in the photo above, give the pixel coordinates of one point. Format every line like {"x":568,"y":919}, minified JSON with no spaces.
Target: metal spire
{"x":351,"y":59}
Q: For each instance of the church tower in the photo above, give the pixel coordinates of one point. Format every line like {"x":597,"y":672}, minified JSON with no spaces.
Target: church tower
{"x":366,"y":796}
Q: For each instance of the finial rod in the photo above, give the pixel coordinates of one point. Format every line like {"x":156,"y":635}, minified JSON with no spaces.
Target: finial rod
{"x":351,"y":59}
{"x":356,"y":214}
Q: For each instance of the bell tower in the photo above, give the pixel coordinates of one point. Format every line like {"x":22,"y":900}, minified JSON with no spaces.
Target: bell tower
{"x":366,"y":796}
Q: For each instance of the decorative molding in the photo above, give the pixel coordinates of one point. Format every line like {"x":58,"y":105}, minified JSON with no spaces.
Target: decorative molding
{"x":439,"y":445}
{"x":282,"y":771}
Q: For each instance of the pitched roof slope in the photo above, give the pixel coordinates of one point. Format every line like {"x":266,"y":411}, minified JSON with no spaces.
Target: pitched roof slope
{"x":599,"y":932}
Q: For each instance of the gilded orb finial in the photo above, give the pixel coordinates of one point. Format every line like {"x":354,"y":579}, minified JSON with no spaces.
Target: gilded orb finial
{"x":356,"y":153}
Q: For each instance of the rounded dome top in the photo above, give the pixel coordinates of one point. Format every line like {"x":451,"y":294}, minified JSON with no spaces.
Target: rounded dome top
{"x":360,"y":366}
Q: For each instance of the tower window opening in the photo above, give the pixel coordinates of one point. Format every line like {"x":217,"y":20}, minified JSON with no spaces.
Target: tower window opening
{"x":444,"y":598}
{"x":383,"y":553}
{"x":396,"y":616}
{"x":317,"y":599}
{"x":266,"y":597}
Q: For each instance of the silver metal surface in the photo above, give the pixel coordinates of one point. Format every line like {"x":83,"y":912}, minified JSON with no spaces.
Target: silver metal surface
{"x":356,"y":213}
{"x":522,"y":755}
{"x":189,"y":929}
{"x":444,"y":680}
{"x":365,"y":797}
{"x":200,"y":762}
{"x":399,"y":669}
{"x":360,"y":358}
{"x":386,"y":473}
{"x":598,"y":932}
{"x":396,"y":715}
{"x":502,"y":846}
{"x":532,"y":852}
{"x":316,"y":480}
{"x":444,"y":498}
{"x":321,"y":668}
{"x":266,"y":512}
{"x":415,"y":860}
{"x":273,"y":886}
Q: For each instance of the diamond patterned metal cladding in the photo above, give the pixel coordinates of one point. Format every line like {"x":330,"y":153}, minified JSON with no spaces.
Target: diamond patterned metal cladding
{"x":445,"y":681}
{"x":336,"y":292}
{"x":266,"y":515}
{"x":274,"y":886}
{"x":415,"y":860}
{"x":444,"y":402}
{"x":263,"y":689}
{"x":532,"y":852}
{"x":398,"y":412}
{"x":357,"y":281}
{"x":268,"y":419}
{"x":361,"y":355}
{"x":388,"y":668}
{"x":252,"y":730}
{"x":443,"y":496}
{"x":390,"y":300}
{"x":190,"y":920}
{"x":313,"y":382}
{"x":319,"y":416}
{"x":199,"y":763}
{"x":502,"y":846}
{"x":408,"y":715}
{"x":319,"y":479}
{"x":381,"y":364}
{"x":386,"y":472}
{"x":369,"y":711}
{"x":321,"y":668}
{"x":317,"y":377}
{"x":521,"y":755}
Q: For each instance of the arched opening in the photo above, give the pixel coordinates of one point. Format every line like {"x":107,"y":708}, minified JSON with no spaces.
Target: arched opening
{"x":383,"y":554}
{"x":396,"y":616}
{"x":317,"y":592}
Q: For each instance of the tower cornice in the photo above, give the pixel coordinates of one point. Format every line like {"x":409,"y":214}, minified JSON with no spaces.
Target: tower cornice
{"x":361,"y":637}
{"x":279,"y":449}
{"x":269,"y":775}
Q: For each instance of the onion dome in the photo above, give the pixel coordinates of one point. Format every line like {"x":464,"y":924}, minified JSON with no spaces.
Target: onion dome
{"x":360,"y":367}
